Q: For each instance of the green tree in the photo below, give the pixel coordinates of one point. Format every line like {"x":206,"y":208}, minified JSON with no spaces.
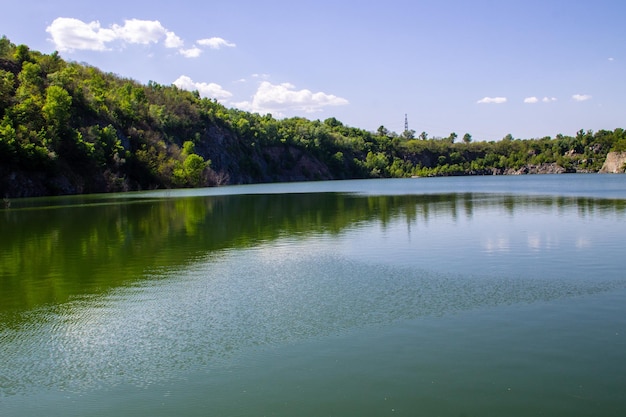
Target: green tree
{"x":332,"y":122}
{"x":194,"y":166}
{"x":408,"y":134}
{"x":56,"y":109}
{"x":467,"y":138}
{"x":5,"y":46}
{"x":108,"y":148}
{"x":21,"y":54}
{"x":8,"y":137}
{"x":382,"y":131}
{"x":30,"y":81}
{"x":191,"y":171}
{"x":7,"y":89}
{"x":188,"y":147}
{"x":376,"y":163}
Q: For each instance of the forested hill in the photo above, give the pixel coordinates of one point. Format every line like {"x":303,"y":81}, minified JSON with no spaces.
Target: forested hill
{"x":68,"y":128}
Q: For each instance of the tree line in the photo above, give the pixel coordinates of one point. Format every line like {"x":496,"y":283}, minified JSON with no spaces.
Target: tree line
{"x":68,"y":128}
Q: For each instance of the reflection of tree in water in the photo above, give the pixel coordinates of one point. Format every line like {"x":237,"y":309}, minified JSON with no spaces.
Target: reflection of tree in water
{"x":421,"y":210}
{"x":48,"y":255}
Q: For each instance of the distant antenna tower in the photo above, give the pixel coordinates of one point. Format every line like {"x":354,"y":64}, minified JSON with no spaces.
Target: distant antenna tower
{"x":406,"y":123}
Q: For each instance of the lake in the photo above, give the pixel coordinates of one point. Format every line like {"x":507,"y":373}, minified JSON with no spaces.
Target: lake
{"x":469,"y":296}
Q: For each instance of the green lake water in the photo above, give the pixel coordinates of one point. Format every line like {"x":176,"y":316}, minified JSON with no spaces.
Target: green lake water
{"x":480,"y":296}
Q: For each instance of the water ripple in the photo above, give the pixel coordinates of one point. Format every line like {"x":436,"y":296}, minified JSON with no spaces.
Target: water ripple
{"x":164,"y":327}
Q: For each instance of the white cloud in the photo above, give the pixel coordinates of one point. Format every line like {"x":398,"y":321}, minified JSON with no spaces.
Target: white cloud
{"x":173,"y":41}
{"x":492,"y":100}
{"x":141,"y":31}
{"x":611,"y":59}
{"x":210,"y":90}
{"x":581,"y":97}
{"x":271,"y":98}
{"x":215,"y":43}
{"x":69,"y":34}
{"x":193,"y":52}
{"x":533,"y":100}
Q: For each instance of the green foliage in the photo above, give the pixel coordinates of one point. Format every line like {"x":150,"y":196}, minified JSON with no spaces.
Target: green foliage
{"x":7,"y":89}
{"x":8,"y":141}
{"x":377,"y":163}
{"x":193,"y":167}
{"x":5,"y":47}
{"x":56,"y":109}
{"x":191,"y":171}
{"x":619,"y":140}
{"x":188,"y":147}
{"x":107,"y":147}
{"x":21,"y":54}
{"x":30,"y":81}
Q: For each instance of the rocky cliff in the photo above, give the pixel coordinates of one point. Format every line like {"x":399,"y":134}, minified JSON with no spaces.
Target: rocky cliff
{"x":615,"y":163}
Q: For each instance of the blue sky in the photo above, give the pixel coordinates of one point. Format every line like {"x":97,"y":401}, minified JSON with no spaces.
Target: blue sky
{"x":488,"y":68}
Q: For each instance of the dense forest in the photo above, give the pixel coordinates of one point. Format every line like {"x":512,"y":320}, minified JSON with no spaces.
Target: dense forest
{"x":69,"y":128}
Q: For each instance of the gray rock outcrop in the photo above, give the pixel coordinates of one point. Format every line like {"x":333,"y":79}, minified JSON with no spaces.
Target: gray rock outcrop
{"x":615,"y":163}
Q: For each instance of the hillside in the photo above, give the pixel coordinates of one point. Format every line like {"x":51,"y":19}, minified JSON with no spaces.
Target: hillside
{"x":68,"y":128}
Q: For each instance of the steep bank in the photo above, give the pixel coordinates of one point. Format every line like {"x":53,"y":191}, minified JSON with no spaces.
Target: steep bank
{"x":615,"y":163}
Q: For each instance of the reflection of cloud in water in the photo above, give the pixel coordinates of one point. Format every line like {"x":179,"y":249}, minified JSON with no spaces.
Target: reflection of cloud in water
{"x":534,"y":241}
{"x":583,"y":242}
{"x":538,"y":242}
{"x":498,"y":244}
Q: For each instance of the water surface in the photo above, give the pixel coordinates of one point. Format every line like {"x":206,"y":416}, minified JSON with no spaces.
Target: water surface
{"x":445,"y":296}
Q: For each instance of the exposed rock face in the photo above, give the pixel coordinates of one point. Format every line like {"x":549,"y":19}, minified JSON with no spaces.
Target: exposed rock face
{"x":615,"y":163}
{"x":552,"y":168}
{"x":547,"y":168}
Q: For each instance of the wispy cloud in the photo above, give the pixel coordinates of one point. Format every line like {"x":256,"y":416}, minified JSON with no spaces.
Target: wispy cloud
{"x":492,"y":100}
{"x":216,"y":43}
{"x":533,"y":100}
{"x":209,"y":90}
{"x":280,"y":98}
{"x":254,"y":76}
{"x":581,"y":97}
{"x":69,"y":34}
